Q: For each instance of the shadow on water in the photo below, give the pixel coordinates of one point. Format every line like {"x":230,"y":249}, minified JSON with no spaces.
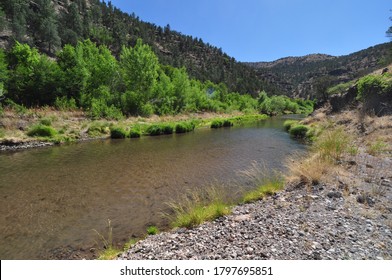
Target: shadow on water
{"x":52,"y":200}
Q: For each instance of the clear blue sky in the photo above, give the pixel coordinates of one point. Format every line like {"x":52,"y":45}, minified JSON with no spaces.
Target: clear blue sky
{"x":265,"y":30}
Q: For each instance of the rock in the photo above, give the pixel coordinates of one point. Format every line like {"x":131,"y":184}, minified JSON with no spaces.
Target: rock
{"x":334,"y":194}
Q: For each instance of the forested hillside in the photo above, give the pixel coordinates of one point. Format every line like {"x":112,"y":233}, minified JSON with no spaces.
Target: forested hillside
{"x":49,"y":25}
{"x":309,"y":76}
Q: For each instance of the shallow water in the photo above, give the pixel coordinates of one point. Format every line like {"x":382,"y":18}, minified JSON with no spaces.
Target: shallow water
{"x":55,"y":202}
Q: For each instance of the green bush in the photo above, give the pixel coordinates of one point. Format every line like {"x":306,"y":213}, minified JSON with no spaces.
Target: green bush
{"x":216,"y":123}
{"x":117,"y":133}
{"x":41,"y":130}
{"x":299,"y":131}
{"x":373,"y":84}
{"x":289,"y":123}
{"x":64,"y":104}
{"x":167,"y":129}
{"x":135,"y":133}
{"x":184,"y":127}
{"x":154,"y":130}
{"x":227,"y":123}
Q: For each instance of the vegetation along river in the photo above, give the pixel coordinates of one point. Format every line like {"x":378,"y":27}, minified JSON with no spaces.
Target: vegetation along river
{"x":55,"y":202}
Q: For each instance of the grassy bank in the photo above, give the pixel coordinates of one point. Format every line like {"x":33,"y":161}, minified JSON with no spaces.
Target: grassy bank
{"x":50,"y":125}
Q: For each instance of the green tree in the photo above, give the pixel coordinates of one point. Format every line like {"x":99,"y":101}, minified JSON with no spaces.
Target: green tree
{"x":71,"y":25}
{"x":16,"y":11}
{"x":33,"y":77}
{"x":139,"y":66}
{"x":44,"y":25}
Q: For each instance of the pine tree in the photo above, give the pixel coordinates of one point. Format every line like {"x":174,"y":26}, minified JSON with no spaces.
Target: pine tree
{"x":44,"y":25}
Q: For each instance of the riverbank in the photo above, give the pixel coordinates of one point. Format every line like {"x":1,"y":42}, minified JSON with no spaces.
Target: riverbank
{"x":75,"y":126}
{"x":336,"y":210}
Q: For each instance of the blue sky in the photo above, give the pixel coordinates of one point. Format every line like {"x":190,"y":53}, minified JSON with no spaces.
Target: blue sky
{"x":265,"y":30}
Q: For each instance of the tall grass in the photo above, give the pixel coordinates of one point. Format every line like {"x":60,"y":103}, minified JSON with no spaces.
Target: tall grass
{"x":331,"y":144}
{"x":109,"y":252}
{"x":198,"y":207}
{"x":262,"y":181}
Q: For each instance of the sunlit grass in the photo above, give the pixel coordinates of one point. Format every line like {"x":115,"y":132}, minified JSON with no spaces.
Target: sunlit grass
{"x":199,"y":207}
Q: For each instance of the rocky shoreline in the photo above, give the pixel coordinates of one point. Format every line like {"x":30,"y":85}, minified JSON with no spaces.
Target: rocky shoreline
{"x":347,"y":217}
{"x":23,"y":145}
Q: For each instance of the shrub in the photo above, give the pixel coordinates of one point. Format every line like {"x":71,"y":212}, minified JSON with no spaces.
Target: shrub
{"x":41,"y":130}
{"x":167,"y":129}
{"x":372,"y":84}
{"x":135,"y":133}
{"x":64,"y":104}
{"x":154,"y":130}
{"x":227,"y":123}
{"x":184,"y":127}
{"x":216,"y":123}
{"x":298,"y":131}
{"x":289,"y":123}
{"x":117,"y":133}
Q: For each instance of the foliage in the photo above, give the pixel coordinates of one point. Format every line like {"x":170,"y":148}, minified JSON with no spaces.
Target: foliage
{"x":117,"y":133}
{"x":152,"y":230}
{"x":135,"y":132}
{"x":183,"y":127}
{"x":377,"y":148}
{"x":269,"y":188}
{"x":289,"y":123}
{"x":199,"y":207}
{"x":331,"y":144}
{"x":298,"y":131}
{"x":65,"y":104}
{"x":41,"y":130}
{"x":373,"y":84}
{"x":277,"y":105}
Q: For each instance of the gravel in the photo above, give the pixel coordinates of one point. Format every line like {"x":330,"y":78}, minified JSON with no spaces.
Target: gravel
{"x":315,"y":222}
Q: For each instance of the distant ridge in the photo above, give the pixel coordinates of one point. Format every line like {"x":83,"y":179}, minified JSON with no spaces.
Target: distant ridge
{"x":307,"y":76}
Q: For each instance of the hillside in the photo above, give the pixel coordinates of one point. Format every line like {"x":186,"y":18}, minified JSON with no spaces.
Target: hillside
{"x":309,"y":76}
{"x":49,"y":25}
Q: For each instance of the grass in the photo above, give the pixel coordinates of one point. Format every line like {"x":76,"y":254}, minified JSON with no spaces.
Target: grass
{"x":310,"y":170}
{"x":298,"y":131}
{"x":152,"y":230}
{"x":97,"y":129}
{"x":263,"y":181}
{"x":218,"y":123}
{"x":118,"y":133}
{"x":183,"y":127}
{"x":199,"y":207}
{"x":269,"y":188}
{"x":377,"y":148}
{"x":289,"y":123}
{"x":109,"y":252}
{"x":41,"y":130}
{"x":332,"y":143}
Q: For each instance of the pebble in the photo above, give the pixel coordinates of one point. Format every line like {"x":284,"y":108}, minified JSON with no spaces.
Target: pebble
{"x":332,"y":226}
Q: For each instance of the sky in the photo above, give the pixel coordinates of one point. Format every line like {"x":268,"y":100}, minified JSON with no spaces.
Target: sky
{"x":266,"y":30}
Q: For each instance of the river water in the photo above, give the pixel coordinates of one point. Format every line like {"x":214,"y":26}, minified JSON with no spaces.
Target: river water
{"x":56,"y":202}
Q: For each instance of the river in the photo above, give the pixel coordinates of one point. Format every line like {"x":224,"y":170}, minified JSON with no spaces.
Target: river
{"x":56,"y":202}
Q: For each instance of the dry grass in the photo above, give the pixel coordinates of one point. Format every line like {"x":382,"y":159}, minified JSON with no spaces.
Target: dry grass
{"x":314,"y":169}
